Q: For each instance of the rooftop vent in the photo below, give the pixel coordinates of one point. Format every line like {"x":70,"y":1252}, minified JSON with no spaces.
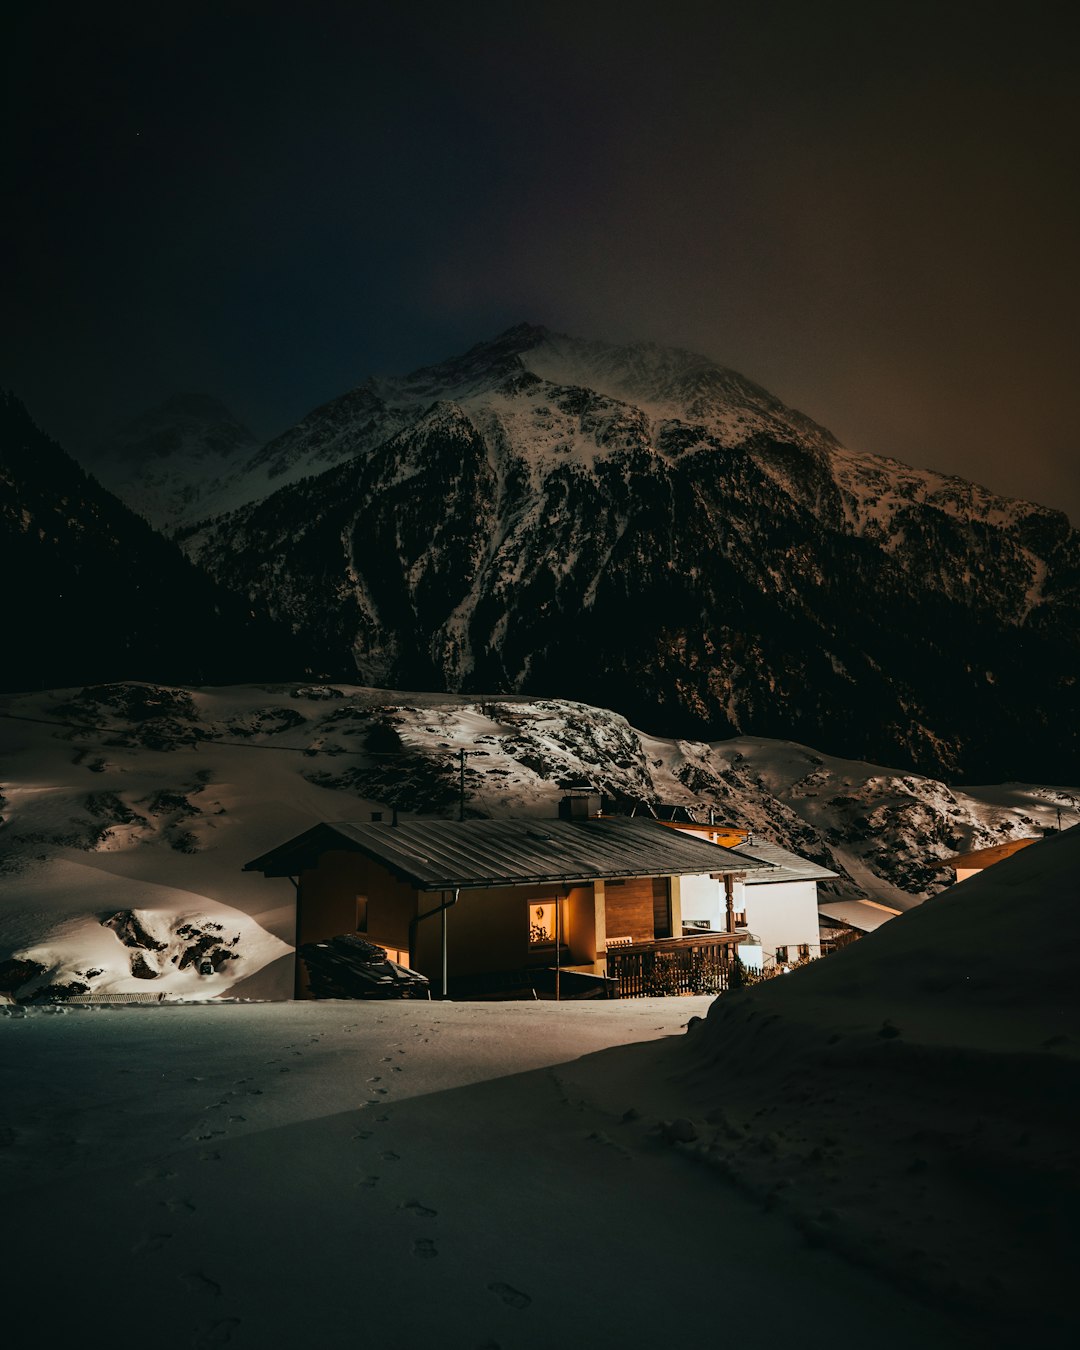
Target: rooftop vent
{"x":582,"y":800}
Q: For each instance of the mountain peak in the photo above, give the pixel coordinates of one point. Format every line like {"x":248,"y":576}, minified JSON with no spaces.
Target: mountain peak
{"x":196,"y":423}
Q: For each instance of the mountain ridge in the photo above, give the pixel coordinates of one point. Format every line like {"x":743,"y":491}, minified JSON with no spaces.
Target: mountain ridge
{"x":727,"y":566}
{"x":639,"y":527}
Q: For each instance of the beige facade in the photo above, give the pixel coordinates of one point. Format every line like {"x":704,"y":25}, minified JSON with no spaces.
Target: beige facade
{"x":487,"y":929}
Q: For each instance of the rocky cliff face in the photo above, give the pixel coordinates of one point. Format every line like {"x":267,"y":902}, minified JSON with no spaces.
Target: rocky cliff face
{"x":639,"y":528}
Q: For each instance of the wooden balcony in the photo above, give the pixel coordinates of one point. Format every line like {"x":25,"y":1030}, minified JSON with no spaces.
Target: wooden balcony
{"x":699,"y":964}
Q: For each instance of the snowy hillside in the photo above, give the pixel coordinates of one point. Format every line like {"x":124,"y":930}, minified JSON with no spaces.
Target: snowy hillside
{"x":640,"y":528}
{"x":145,"y":801}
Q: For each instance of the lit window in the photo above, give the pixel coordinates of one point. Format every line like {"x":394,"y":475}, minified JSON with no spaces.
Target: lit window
{"x":541,"y":923}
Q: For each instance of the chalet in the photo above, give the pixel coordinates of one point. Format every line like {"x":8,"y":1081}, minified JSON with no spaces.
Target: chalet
{"x":971,"y":864}
{"x":470,"y":903}
{"x":775,"y":907}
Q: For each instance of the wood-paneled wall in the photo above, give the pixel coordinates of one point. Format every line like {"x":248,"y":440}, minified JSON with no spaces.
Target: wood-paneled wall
{"x":631,"y":907}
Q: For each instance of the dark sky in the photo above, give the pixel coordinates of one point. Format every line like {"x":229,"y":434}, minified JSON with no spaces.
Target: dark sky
{"x":872,"y":210}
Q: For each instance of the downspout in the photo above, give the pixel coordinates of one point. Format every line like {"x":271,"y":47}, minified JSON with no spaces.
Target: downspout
{"x":297,"y":991}
{"x":439,"y":909}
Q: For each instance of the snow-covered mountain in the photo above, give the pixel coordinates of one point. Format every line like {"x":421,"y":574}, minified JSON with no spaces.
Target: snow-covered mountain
{"x":640,"y":528}
{"x":146,"y":801}
{"x":92,"y":592}
{"x":162,"y":462}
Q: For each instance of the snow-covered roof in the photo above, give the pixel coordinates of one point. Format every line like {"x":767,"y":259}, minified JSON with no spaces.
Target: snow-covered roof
{"x":865,"y":915}
{"x":436,"y":855}
{"x":784,"y":866}
{"x":986,"y":857}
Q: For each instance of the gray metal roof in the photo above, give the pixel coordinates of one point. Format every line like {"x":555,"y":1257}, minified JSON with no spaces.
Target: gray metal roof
{"x":436,"y":855}
{"x":785,"y":866}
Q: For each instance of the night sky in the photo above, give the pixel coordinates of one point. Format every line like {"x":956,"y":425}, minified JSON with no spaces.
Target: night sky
{"x":873,"y":211}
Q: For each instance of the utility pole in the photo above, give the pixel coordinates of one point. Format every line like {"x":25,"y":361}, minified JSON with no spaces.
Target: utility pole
{"x":463,"y":755}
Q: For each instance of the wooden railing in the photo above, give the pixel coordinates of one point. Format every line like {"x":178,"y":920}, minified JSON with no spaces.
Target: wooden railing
{"x":687,"y":965}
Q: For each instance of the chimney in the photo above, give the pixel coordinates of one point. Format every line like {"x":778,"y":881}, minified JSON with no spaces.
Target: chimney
{"x":581,"y":802}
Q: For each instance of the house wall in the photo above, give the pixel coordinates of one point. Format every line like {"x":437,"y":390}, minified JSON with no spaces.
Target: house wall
{"x":583,"y":933}
{"x":629,"y":907}
{"x":703,"y":900}
{"x":783,"y":914}
{"x":327,"y":901}
{"x":488,"y":930}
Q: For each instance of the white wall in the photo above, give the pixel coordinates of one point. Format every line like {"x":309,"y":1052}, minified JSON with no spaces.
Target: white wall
{"x":702,"y":899}
{"x":783,"y":914}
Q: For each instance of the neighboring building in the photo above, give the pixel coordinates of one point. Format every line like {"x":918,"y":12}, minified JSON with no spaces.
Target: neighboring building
{"x":777,"y":906}
{"x":971,"y":864}
{"x":781,"y":905}
{"x":476,"y":898}
{"x":855,"y":916}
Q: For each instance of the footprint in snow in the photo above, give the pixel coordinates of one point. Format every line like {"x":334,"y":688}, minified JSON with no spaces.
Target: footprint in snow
{"x":151,"y":1178}
{"x":421,"y":1211}
{"x":211,"y":1156}
{"x":369,"y":1182}
{"x":177,"y":1206}
{"x":424,"y":1248}
{"x":210,"y":1336}
{"x":516,"y":1298}
{"x":152,"y":1242}
{"x":199,"y":1283}
{"x":391,"y":1156}
{"x":375,"y":1078}
{"x":362,"y":1134}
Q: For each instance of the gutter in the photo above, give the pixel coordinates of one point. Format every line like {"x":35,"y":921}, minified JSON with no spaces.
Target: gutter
{"x":439,"y":909}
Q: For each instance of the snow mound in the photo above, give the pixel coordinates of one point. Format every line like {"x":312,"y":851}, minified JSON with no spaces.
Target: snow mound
{"x":913,"y":1100}
{"x":179,"y":954}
